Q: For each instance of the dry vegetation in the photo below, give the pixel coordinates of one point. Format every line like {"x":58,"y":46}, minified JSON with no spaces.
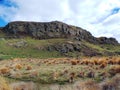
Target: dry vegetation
{"x":65,"y":70}
{"x":3,"y":84}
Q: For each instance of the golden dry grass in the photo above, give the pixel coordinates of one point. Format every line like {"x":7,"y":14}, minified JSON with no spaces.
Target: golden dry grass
{"x":3,"y":84}
{"x":59,"y":69}
{"x":89,"y":85}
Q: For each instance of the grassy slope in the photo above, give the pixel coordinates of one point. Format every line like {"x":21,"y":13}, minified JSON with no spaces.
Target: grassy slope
{"x":8,"y":48}
{"x":103,"y":48}
{"x":47,"y":70}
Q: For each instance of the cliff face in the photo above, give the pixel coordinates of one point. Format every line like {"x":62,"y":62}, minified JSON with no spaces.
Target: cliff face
{"x":1,"y":29}
{"x":104,"y":40}
{"x":72,"y":40}
{"x":55,"y":29}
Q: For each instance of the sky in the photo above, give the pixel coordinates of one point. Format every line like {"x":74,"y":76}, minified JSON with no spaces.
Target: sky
{"x":100,"y":17}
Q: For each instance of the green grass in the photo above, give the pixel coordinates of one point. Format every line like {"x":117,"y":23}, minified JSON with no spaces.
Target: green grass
{"x":111,"y":48}
{"x":103,"y":48}
{"x":46,"y":70}
{"x":94,"y":46}
{"x":9,"y":50}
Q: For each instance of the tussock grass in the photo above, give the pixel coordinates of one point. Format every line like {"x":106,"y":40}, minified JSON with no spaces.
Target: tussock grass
{"x":60,"y":70}
{"x":3,"y":84}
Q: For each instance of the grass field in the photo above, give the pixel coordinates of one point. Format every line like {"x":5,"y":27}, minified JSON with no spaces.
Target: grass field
{"x":22,"y":48}
{"x":60,"y":70}
{"x":86,"y":71}
{"x":28,"y":60}
{"x":32,"y":48}
{"x":103,"y":48}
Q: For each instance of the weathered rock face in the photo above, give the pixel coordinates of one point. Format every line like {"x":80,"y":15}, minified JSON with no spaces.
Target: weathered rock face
{"x":55,"y":29}
{"x":1,"y":29}
{"x":74,"y":47}
{"x":66,"y":47}
{"x":104,"y":40}
{"x":47,"y":30}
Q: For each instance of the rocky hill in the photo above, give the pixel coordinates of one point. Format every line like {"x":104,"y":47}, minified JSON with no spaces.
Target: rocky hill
{"x":75,"y":40}
{"x":55,"y":29}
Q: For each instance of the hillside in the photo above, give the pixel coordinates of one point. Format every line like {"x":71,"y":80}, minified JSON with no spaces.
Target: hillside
{"x":57,"y":56}
{"x":52,"y":39}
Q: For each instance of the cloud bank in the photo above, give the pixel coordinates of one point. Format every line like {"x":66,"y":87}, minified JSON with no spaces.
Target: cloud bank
{"x":100,"y":17}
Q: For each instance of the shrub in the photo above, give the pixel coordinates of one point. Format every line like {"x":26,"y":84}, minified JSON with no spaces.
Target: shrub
{"x":103,"y":65}
{"x":4,"y":70}
{"x":95,"y":62}
{"x":18,"y":66}
{"x":72,"y":75}
{"x":74,"y":62}
{"x":90,"y":74}
{"x":114,"y":69}
{"x":28,"y":68}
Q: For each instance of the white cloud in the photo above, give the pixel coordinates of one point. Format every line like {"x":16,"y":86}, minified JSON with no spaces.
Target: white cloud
{"x":93,"y":15}
{"x":41,"y":10}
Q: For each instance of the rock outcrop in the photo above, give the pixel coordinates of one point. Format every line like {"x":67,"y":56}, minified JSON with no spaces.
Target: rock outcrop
{"x":104,"y":40}
{"x":1,"y":29}
{"x":77,"y":40}
{"x":55,"y":29}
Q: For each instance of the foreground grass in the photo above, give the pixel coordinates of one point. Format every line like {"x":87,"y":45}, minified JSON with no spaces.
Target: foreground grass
{"x":60,"y":70}
{"x":107,"y":84}
{"x":3,"y":84}
{"x":96,"y":73}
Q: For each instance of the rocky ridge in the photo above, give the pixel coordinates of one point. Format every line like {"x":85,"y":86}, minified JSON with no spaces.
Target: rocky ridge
{"x":75,"y":43}
{"x":54,"y":29}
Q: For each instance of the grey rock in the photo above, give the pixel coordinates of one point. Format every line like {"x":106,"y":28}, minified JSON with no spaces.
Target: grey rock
{"x":54,"y":29}
{"x":47,"y":30}
{"x":104,"y":40}
{"x":18,"y":44}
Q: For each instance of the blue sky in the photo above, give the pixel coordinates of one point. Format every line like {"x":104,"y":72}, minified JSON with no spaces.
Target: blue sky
{"x":100,"y":17}
{"x":5,"y":3}
{"x":2,"y":22}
